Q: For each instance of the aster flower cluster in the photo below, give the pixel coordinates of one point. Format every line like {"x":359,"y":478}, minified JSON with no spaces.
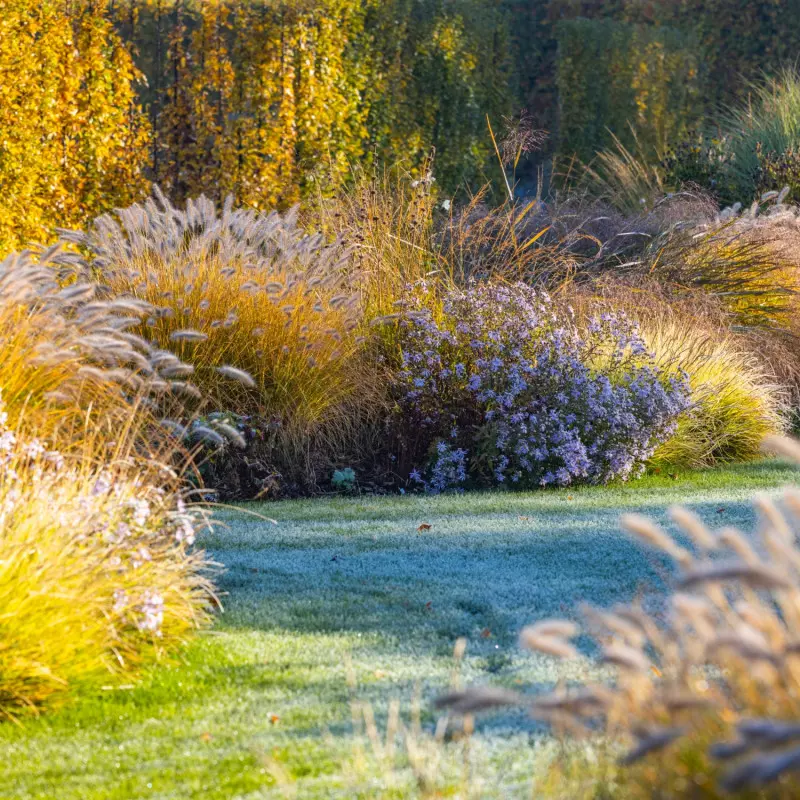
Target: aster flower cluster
{"x":138,"y":531}
{"x":32,"y":452}
{"x":508,"y":389}
{"x":448,"y":469}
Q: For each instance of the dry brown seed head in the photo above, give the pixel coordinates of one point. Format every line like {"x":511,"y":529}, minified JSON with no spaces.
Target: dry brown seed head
{"x":774,"y":517}
{"x":756,"y":576}
{"x":694,"y":527}
{"x":234,"y":373}
{"x":186,"y":389}
{"x":737,"y":542}
{"x":783,"y":446}
{"x":626,"y":657}
{"x":551,"y":645}
{"x":646,"y":530}
{"x":554,"y":627}
{"x":188,"y":335}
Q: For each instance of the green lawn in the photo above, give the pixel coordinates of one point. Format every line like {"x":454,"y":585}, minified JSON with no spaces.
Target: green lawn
{"x":353,"y":582}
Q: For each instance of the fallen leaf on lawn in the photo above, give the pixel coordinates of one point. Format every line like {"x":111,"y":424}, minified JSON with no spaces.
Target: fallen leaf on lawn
{"x":486,"y":633}
{"x":379,"y":673}
{"x":274,"y":719}
{"x":523,"y":519}
{"x":425,"y":526}
{"x":206,"y":737}
{"x":569,"y":497}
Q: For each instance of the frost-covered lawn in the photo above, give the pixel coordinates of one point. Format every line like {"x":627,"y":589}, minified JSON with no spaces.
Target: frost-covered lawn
{"x":354,"y":581}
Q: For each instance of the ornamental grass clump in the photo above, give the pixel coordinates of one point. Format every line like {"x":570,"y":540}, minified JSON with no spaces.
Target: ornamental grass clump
{"x":735,"y":402}
{"x":98,"y":576}
{"x":261,"y":312}
{"x":747,"y":260}
{"x":704,"y":697}
{"x":255,"y":305}
{"x":68,"y":347}
{"x":499,"y":386}
{"x":387,"y":219}
{"x":626,"y":179}
{"x":736,"y":396}
{"x":765,"y":128}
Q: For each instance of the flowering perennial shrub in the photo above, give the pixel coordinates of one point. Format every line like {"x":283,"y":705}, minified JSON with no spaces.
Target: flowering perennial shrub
{"x":504,"y":388}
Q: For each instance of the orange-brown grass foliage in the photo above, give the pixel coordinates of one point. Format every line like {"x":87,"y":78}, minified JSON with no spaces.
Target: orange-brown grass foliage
{"x":387,"y":219}
{"x":401,"y":231}
{"x":258,"y":317}
{"x":515,"y":241}
{"x":69,"y":351}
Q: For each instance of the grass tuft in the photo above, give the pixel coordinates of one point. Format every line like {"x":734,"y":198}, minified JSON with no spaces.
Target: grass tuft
{"x":96,"y":575}
{"x":263,"y":314}
{"x":735,"y":402}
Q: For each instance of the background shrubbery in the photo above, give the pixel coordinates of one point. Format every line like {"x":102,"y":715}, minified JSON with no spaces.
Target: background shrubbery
{"x":274,"y":102}
{"x":74,"y":140}
{"x":615,"y":78}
